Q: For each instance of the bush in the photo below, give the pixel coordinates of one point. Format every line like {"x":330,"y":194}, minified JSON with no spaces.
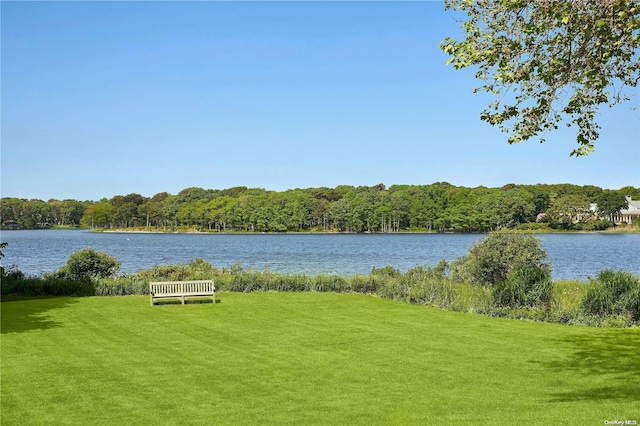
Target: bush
{"x":88,"y":263}
{"x":395,"y":289}
{"x":525,"y":286}
{"x":438,"y":292}
{"x":12,"y":273}
{"x":593,"y":225}
{"x":198,"y":269}
{"x":492,"y":259}
{"x":121,"y":286}
{"x":51,"y":286}
{"x":616,"y":282}
{"x":327,"y":283}
{"x":367,"y":284}
{"x":387,"y":271}
{"x":614,"y":293}
{"x":631,"y":301}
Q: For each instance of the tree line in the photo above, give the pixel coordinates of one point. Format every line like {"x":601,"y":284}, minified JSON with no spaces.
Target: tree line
{"x":438,"y":207}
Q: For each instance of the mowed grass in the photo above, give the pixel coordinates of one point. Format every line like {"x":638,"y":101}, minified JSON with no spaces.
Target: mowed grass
{"x":305,"y":358}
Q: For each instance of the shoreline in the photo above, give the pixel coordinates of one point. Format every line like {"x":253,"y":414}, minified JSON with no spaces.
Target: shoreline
{"x":614,"y":231}
{"x":125,"y":231}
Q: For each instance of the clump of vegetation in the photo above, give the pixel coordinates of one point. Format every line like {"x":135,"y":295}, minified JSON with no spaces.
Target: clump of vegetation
{"x":370,"y":209}
{"x":46,"y":286}
{"x":15,"y":282}
{"x":89,"y":263}
{"x":614,"y":293}
{"x":491,"y":259}
{"x":525,"y":286}
{"x":198,"y":269}
{"x":526,"y":291}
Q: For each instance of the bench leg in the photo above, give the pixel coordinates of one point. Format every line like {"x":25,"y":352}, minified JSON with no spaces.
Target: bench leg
{"x":183,"y":300}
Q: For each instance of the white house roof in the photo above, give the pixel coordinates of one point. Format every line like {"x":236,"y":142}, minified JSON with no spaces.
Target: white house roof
{"x":633,"y":208}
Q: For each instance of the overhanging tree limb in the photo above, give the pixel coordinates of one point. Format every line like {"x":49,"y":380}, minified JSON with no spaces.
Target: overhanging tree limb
{"x":549,"y":61}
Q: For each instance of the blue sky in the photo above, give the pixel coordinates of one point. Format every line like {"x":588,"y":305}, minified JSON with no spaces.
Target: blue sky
{"x":110,"y":98}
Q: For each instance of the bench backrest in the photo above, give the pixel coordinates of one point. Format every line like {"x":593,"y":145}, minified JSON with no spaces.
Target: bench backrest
{"x":181,"y":287}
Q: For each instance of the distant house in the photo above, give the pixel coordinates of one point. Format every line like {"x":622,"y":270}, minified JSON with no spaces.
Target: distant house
{"x":11,"y":224}
{"x":630,"y":213}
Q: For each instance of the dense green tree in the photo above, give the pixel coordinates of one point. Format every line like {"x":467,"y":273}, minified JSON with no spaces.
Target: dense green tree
{"x":71,"y":212}
{"x":519,"y":206}
{"x":541,"y":198}
{"x":186,"y":214}
{"x":170,"y":206}
{"x":340,"y":215}
{"x":549,"y":61}
{"x":192,"y":194}
{"x":234,"y":192}
{"x":10,"y":210}
{"x":134,"y":198}
{"x":151,"y":212}
{"x":568,"y":210}
{"x":630,"y":191}
{"x":126,"y":214}
{"x":160,"y":197}
{"x":220,"y":212}
{"x":610,"y":203}
{"x":98,"y":215}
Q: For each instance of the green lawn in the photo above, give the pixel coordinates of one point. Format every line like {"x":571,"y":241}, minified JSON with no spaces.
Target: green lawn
{"x":305,"y":358}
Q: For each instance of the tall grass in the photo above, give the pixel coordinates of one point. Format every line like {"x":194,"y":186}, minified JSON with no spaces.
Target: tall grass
{"x":47,"y":286}
{"x":612,"y":300}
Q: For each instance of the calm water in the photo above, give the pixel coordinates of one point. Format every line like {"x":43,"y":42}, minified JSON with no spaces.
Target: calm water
{"x":574,"y":256}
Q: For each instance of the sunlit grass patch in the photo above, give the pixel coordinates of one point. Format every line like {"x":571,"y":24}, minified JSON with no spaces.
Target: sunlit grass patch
{"x":568,"y":294}
{"x":296,"y":358}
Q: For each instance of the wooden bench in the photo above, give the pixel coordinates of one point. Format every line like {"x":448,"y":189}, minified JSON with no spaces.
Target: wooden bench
{"x":182,"y":289}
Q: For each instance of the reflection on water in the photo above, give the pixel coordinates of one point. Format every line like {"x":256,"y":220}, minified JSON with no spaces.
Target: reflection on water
{"x":574,"y":256}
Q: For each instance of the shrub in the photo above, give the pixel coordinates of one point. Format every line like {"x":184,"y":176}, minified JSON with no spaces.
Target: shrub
{"x":15,"y":283}
{"x":326,"y":283}
{"x":614,"y":293}
{"x":247,"y":281}
{"x":121,"y":286}
{"x":460,"y":269}
{"x":492,"y":259}
{"x":616,"y":282}
{"x":198,"y":269}
{"x":438,"y":292}
{"x":525,"y":286}
{"x":48,"y":286}
{"x":595,"y":225}
{"x":395,"y":289}
{"x":88,"y":263}
{"x":631,"y":301}
{"x":472,"y":298}
{"x":510,"y":292}
{"x":11,"y":272}
{"x":367,"y":284}
{"x":387,"y":271}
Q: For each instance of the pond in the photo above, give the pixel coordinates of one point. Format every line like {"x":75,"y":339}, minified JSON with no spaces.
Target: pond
{"x":573,"y":256}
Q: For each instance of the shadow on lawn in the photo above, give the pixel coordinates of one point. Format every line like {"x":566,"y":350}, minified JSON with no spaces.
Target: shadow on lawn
{"x":608,"y":357}
{"x":20,"y":314}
